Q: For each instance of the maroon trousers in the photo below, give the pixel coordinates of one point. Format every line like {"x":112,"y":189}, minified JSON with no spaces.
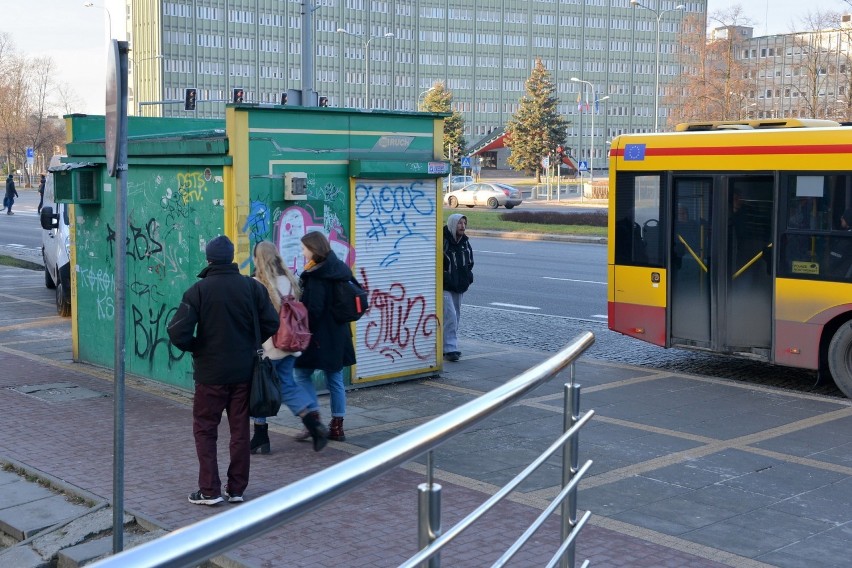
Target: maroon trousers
{"x":207,"y":406}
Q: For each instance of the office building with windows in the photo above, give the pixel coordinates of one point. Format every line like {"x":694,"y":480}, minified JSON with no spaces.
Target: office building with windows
{"x":804,"y":74}
{"x":387,"y":53}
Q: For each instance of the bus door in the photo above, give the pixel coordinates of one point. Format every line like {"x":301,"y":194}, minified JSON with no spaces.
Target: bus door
{"x":721,"y":272}
{"x":746,"y":285}
{"x":691,"y":262}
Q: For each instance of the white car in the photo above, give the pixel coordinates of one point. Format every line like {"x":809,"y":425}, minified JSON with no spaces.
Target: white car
{"x":458,"y":182}
{"x":491,"y":195}
{"x":56,"y":243}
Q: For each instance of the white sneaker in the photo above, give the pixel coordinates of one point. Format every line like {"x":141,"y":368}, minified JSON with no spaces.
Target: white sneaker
{"x":199,"y":498}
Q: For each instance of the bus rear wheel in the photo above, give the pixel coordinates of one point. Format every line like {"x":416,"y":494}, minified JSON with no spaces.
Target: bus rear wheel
{"x":840,"y":358}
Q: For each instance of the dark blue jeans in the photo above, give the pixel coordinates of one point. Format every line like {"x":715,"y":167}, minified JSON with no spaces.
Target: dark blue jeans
{"x":293,"y":395}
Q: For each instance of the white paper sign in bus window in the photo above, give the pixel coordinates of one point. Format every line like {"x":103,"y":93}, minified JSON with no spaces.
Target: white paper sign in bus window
{"x":809,"y":186}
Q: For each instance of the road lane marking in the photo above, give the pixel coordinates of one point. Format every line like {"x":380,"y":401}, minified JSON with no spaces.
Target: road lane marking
{"x":572,"y":280}
{"x":497,"y":252}
{"x":544,"y":315}
{"x":600,"y":316}
{"x":516,"y":306}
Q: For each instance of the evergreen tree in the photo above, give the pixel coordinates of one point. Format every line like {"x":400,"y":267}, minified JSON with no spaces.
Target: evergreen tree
{"x":440,"y":99}
{"x":537,"y":128}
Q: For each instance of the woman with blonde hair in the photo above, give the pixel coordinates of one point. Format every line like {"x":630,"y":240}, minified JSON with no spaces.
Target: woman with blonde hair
{"x":279,"y":281}
{"x":331,"y":346}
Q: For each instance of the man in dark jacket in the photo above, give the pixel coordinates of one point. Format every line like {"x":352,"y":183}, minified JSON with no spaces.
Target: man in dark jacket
{"x":11,"y":194}
{"x":215,"y":322}
{"x":458,"y":276}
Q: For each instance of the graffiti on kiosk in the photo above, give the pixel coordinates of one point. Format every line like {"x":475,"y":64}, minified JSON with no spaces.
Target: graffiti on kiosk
{"x":142,"y":242}
{"x":392,"y":212}
{"x":175,"y":206}
{"x":192,"y":186}
{"x":150,"y":335}
{"x":257,"y":221}
{"x":294,"y":223}
{"x":398,"y":323}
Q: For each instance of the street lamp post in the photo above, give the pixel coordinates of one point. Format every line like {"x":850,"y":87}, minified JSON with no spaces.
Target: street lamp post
{"x":747,"y":109}
{"x":366,"y":61}
{"x":659,"y":14}
{"x":595,"y":101}
{"x":137,"y":90}
{"x":430,"y":89}
{"x":105,"y":9}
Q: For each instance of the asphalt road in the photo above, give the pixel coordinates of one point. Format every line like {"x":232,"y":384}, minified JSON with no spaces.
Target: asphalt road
{"x":20,"y":234}
{"x":548,"y":278}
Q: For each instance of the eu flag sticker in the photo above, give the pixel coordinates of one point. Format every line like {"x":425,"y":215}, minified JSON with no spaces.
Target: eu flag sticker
{"x":634,"y":152}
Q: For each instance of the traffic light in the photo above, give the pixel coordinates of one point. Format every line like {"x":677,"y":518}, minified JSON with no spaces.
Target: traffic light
{"x":283,"y":99}
{"x":238,"y":95}
{"x":189,"y":98}
{"x":323,"y":101}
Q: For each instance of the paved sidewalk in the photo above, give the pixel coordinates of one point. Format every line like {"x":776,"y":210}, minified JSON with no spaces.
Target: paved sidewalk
{"x":688,"y":470}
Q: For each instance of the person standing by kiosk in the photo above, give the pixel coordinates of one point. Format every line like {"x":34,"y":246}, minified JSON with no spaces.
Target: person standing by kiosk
{"x":458,"y":276}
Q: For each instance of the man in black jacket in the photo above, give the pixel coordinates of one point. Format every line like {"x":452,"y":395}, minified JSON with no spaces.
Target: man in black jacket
{"x":215,"y":322}
{"x":458,"y":276}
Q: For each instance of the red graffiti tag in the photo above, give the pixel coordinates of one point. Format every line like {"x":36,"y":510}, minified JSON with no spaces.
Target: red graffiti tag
{"x":398,"y":323}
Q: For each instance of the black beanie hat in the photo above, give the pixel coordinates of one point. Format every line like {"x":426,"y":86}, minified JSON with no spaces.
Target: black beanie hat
{"x":220,"y":250}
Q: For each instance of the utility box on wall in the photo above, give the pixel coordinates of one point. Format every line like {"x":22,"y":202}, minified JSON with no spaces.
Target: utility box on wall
{"x":382,"y":217}
{"x":79,"y":185}
{"x":295,"y":186}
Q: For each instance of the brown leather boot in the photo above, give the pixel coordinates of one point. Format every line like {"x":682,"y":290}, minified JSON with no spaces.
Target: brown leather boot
{"x":335,"y":429}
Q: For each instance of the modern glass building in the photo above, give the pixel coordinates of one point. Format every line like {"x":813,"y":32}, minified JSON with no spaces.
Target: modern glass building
{"x":388,"y":53}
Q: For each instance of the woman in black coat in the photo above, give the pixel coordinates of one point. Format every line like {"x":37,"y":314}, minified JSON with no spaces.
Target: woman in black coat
{"x":331,"y":346}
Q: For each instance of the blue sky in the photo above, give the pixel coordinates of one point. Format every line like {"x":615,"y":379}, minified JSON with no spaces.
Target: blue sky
{"x":75,"y":36}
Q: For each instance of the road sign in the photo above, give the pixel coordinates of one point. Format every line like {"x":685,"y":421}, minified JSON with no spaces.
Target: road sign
{"x":465,"y":162}
{"x":583,"y":166}
{"x":30,"y":155}
{"x":545,"y":162}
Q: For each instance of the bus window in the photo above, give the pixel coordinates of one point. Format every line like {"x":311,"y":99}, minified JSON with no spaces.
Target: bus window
{"x":815,"y":244}
{"x":639,"y":237}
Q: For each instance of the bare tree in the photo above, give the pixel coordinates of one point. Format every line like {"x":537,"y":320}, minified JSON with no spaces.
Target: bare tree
{"x":29,"y":101}
{"x":67,"y":99}
{"x":714,"y":82}
{"x":814,"y":70}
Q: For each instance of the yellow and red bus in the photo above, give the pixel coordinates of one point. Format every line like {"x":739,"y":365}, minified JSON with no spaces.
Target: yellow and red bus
{"x":733,"y":237}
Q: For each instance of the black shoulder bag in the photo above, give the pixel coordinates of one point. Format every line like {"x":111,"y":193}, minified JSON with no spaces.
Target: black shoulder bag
{"x":265,"y":398}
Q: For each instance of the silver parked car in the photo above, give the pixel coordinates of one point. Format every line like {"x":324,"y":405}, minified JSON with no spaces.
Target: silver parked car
{"x":489,"y":194}
{"x":458,"y":182}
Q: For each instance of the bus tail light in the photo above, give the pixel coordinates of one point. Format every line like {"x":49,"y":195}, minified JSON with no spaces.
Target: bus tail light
{"x":639,"y":330}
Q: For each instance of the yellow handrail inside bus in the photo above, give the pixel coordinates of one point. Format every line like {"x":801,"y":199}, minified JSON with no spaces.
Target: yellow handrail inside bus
{"x":749,"y":263}
{"x":692,"y":254}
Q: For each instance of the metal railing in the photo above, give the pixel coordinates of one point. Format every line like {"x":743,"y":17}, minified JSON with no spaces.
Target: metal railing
{"x":191,"y":545}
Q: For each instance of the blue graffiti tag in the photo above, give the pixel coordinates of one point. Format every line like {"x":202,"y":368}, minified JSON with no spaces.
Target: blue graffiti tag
{"x":391,"y":212}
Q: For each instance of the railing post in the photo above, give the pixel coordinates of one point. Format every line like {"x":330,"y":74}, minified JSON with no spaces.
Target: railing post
{"x":570,"y":465}
{"x":429,"y":513}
